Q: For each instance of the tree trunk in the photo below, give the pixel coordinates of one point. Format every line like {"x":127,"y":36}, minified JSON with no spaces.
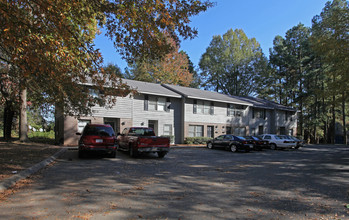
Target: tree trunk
{"x":8,"y":119}
{"x":345,"y":138}
{"x":333,"y":136}
{"x":23,"y":122}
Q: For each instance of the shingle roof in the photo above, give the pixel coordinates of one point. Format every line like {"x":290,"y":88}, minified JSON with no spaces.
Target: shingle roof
{"x":205,"y":95}
{"x":150,"y":88}
{"x":266,"y":104}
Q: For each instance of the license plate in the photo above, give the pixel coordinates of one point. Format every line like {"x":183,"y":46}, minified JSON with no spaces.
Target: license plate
{"x":99,"y":140}
{"x":251,"y":145}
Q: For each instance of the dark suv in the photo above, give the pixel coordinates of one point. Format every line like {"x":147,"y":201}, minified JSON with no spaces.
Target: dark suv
{"x":97,"y":138}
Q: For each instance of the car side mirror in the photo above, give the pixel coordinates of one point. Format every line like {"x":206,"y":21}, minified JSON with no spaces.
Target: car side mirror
{"x":78,"y":133}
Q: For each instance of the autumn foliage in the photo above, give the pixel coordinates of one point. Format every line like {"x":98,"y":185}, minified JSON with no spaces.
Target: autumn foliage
{"x":48,"y":44}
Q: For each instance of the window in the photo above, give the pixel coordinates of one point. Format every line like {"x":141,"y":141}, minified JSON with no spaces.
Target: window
{"x":82,"y":124}
{"x":235,"y":110}
{"x":152,"y":104}
{"x":240,"y":131}
{"x":203,"y":107}
{"x":93,"y":92}
{"x":196,"y":131}
{"x":167,"y":130}
{"x":267,"y":137}
{"x":161,"y":104}
{"x":156,"y":104}
{"x":221,"y":137}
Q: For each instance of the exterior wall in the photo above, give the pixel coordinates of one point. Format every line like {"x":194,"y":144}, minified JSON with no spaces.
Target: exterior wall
{"x":142,"y":117}
{"x":219,"y":120}
{"x":129,"y":111}
{"x":254,"y":122}
{"x":290,"y":123}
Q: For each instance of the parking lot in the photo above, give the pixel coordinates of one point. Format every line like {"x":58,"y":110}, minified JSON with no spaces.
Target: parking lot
{"x":191,"y":183}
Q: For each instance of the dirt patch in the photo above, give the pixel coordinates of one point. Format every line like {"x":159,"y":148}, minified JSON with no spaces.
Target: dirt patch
{"x":17,"y":156}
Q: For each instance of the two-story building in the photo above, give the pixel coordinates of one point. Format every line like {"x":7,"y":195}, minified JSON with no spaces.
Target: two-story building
{"x":184,"y":112}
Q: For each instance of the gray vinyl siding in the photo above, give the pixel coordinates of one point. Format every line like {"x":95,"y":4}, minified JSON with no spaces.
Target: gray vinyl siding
{"x":219,"y":116}
{"x":255,"y":122}
{"x":121,"y":109}
{"x":142,"y":117}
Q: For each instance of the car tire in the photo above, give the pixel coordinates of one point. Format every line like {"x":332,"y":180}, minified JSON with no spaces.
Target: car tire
{"x":161,"y":154}
{"x":233,"y":148}
{"x":209,"y":145}
{"x":273,"y":147}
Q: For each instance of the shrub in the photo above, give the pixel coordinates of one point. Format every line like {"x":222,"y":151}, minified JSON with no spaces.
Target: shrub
{"x":196,"y":140}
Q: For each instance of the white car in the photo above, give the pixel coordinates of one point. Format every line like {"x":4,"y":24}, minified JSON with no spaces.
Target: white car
{"x":278,"y":141}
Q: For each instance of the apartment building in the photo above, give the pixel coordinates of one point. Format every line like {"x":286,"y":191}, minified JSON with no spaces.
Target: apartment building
{"x":184,"y":112}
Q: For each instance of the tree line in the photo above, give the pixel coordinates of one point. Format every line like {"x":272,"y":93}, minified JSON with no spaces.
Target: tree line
{"x":307,"y":69}
{"x":52,"y":53}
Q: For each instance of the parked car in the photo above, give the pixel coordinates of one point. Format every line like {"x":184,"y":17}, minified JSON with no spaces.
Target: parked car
{"x":277,"y":141}
{"x":299,"y":143}
{"x":258,"y":143}
{"x":230,"y":142}
{"x":97,"y":138}
{"x":137,"y":140}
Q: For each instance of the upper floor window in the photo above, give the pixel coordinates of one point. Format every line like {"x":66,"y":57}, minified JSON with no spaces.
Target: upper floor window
{"x":203,"y":107}
{"x":258,"y":113}
{"x":152,"y":103}
{"x":235,"y":110}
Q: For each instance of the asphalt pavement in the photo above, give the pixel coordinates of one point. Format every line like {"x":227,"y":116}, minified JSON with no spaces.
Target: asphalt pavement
{"x":192,"y":183}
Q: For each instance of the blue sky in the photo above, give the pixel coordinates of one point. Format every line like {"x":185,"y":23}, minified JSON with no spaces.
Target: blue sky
{"x":261,"y":19}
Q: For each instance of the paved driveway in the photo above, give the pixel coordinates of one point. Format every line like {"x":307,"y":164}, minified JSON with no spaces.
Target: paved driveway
{"x":310,"y":183}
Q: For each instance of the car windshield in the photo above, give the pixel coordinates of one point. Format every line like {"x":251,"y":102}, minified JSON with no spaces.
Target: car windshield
{"x":242,"y":138}
{"x":99,"y":131}
{"x":141,"y":132}
{"x":280,"y":137}
{"x":256,"y":138}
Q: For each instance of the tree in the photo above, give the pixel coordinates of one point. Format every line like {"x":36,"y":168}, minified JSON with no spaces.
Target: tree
{"x":112,"y":69}
{"x":49,"y":44}
{"x":232,"y":64}
{"x":173,"y":68}
{"x":330,"y":39}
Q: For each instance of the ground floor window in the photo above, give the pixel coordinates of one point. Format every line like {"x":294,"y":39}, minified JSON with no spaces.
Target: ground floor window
{"x":82,"y":124}
{"x":196,"y":131}
{"x":167,"y":129}
{"x":240,"y":131}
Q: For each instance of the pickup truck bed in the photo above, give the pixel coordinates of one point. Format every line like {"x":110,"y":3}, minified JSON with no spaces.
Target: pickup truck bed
{"x":138,"y":140}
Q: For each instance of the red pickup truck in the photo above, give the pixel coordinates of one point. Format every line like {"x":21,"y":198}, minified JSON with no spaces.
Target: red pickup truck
{"x":137,"y":140}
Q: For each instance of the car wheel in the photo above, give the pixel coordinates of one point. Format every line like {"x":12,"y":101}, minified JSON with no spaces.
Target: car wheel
{"x":209,"y":145}
{"x":232,"y":148}
{"x":273,"y":146}
{"x":161,"y":154}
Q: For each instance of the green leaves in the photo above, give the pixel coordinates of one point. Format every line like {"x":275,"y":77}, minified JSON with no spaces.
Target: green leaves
{"x":232,"y":63}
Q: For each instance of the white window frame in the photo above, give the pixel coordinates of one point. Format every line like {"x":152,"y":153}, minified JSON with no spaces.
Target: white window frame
{"x":193,"y":131}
